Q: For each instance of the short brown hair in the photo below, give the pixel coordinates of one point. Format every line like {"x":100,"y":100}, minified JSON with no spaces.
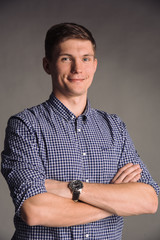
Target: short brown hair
{"x":64,"y":31}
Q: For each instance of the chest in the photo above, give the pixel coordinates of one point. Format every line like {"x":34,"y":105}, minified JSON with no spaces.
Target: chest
{"x":79,"y":151}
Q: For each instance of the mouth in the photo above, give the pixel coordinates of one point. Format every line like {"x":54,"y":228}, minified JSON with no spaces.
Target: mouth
{"x":76,"y":78}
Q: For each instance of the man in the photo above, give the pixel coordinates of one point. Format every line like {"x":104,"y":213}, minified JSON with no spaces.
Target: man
{"x":73,"y":171}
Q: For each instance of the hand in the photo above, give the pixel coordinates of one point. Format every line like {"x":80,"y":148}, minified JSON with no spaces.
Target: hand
{"x":128,"y":173}
{"x":58,"y":188}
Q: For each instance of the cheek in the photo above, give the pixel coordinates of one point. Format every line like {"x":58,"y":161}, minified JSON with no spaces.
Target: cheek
{"x":90,"y":72}
{"x":91,"y":68}
{"x":58,"y":74}
{"x":62,"y":71}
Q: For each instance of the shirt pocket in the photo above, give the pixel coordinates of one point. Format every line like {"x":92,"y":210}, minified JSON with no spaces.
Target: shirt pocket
{"x":110,"y":157}
{"x":102,"y":163}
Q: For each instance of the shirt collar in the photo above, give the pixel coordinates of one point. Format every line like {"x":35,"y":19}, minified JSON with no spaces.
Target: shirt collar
{"x":62,"y":110}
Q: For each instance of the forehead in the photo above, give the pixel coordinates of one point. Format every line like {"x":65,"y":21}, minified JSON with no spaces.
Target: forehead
{"x":75,"y":46}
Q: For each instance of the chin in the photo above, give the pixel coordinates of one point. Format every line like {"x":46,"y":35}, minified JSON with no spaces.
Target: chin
{"x":78,"y":94}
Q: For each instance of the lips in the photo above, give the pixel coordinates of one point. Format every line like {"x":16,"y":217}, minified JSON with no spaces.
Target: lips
{"x":77,"y":78}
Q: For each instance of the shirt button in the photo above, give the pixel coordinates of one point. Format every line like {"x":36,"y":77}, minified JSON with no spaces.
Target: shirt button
{"x":87,"y":180}
{"x":87,"y":235}
{"x":84,"y":154}
{"x":78,"y":130}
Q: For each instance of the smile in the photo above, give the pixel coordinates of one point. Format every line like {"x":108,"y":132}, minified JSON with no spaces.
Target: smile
{"x":76,"y":79}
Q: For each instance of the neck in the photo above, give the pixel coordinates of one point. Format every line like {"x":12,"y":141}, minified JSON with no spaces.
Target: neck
{"x":75,"y":104}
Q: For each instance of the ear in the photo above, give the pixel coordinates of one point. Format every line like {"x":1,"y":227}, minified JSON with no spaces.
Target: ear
{"x":95,"y":64}
{"x":46,"y":65}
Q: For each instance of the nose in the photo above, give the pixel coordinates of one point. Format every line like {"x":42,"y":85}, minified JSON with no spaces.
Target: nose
{"x":76,"y":66}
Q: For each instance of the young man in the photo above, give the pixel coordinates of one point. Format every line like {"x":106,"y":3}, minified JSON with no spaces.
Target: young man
{"x":73,"y":171}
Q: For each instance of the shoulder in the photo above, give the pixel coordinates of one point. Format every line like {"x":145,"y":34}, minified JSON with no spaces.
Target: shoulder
{"x":112,"y":120}
{"x":29,"y":117}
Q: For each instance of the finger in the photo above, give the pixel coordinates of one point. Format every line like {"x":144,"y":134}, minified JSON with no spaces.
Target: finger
{"x":124,"y":171}
{"x":136,"y":178}
{"x":128,"y":174}
{"x":121,"y":170}
{"x":132,"y":176}
{"x":129,"y":177}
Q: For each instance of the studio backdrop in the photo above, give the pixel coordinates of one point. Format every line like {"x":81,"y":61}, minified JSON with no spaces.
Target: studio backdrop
{"x":127,"y":81}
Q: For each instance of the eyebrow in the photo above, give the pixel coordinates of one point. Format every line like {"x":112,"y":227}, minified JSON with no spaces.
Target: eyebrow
{"x":70,"y":55}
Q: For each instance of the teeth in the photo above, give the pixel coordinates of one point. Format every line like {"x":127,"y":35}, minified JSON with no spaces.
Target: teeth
{"x":76,"y":79}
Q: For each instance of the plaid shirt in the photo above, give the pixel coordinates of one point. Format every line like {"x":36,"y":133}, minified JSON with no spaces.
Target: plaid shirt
{"x":49,"y":142}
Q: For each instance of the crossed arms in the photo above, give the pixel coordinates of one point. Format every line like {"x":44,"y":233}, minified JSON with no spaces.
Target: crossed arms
{"x":124,"y":196}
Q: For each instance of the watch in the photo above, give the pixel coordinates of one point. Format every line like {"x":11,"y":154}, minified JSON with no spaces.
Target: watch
{"x":76,"y":187}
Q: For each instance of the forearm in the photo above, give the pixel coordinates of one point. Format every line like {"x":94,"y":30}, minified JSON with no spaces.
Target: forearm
{"x":51,"y":210}
{"x":122,"y":199}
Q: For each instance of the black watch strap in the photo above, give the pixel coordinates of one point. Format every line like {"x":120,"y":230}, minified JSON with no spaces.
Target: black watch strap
{"x":75,"y":196}
{"x":76,"y":187}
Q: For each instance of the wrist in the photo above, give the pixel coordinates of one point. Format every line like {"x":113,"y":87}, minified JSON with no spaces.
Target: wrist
{"x":75,"y":187}
{"x":58,"y":188}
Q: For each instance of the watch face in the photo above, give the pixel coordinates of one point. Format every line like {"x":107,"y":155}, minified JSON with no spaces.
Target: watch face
{"x":75,"y":185}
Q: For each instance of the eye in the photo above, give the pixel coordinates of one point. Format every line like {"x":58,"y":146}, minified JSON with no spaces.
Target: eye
{"x":65,"y":59}
{"x":86,"y":59}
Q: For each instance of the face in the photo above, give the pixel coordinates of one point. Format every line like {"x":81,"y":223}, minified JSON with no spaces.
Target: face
{"x":72,"y":68}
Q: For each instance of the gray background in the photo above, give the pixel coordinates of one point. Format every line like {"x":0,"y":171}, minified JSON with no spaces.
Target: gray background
{"x":127,"y":80}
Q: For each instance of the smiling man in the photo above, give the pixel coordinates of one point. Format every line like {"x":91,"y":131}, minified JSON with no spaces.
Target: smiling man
{"x":72,"y":69}
{"x":72,"y":170}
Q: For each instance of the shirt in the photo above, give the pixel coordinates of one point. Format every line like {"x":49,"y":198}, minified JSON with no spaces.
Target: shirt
{"x":48,"y":142}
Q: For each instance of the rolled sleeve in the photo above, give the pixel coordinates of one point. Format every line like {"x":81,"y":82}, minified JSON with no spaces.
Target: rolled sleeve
{"x":21,"y":164}
{"x":130,"y":155}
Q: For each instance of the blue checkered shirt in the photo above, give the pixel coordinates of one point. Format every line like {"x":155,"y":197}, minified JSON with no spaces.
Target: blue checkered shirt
{"x":49,"y":142}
